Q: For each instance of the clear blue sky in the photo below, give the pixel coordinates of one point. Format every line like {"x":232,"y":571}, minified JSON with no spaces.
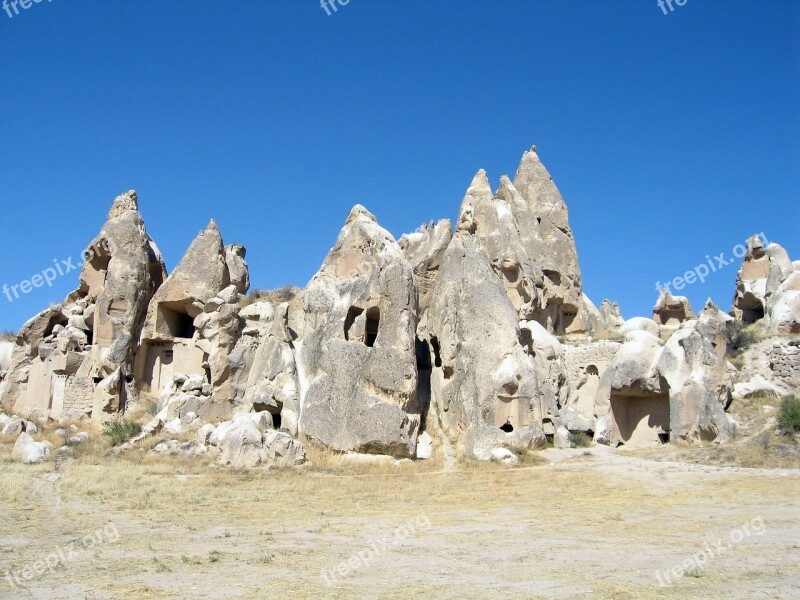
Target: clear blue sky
{"x":670,"y":136}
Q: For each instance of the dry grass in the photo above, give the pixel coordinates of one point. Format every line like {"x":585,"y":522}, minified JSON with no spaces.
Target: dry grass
{"x":583,"y":527}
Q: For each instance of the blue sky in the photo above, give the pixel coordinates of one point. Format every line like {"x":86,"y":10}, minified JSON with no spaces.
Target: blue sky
{"x":671,"y":137}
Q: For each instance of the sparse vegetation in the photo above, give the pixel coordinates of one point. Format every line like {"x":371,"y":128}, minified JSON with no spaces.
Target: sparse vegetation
{"x":579,"y":439}
{"x":7,"y":336}
{"x":285,"y":294}
{"x":789,"y":415}
{"x":120,"y":431}
{"x":740,"y":337}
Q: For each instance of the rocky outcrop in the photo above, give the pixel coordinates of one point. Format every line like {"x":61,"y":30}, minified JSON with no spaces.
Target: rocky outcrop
{"x":562,"y":283}
{"x":28,"y":451}
{"x":424,"y":250}
{"x":357,"y":356}
{"x":193,"y":323}
{"x":77,"y":357}
{"x":484,"y":387}
{"x":273,"y":384}
{"x":654,"y":392}
{"x":672,"y":310}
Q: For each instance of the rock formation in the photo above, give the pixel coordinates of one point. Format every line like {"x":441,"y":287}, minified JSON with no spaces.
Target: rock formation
{"x":482,"y":337}
{"x":672,"y":310}
{"x":483,"y":386}
{"x":77,"y":357}
{"x":358,"y":387}
{"x":767,"y":286}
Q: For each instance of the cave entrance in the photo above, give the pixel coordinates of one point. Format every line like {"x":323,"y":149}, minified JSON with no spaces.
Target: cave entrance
{"x":641,"y":419}
{"x":372,"y":325}
{"x":175,"y":321}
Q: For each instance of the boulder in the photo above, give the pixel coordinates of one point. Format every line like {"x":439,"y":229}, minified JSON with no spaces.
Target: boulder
{"x":28,"y":451}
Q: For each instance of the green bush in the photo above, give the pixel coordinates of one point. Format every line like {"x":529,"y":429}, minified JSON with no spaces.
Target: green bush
{"x":740,"y":338}
{"x":121,"y":431}
{"x":789,"y":415}
{"x":579,"y":439}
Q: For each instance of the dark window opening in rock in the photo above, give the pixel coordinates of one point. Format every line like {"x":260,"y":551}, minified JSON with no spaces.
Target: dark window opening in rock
{"x":423,"y":352}
{"x":590,"y":433}
{"x":751,"y":315}
{"x":178,"y":324}
{"x":128,"y":379}
{"x":553,"y":276}
{"x":437,"y":357}
{"x":592,"y":370}
{"x":663,"y":438}
{"x":526,"y":341}
{"x":90,"y":337}
{"x":352,"y":314}
{"x":511,"y":274}
{"x":276,"y":420}
{"x":567,"y":317}
{"x":539,"y":220}
{"x":373,"y":323}
{"x":58,"y":319}
{"x":261,"y":407}
{"x":97,"y":380}
{"x":507,"y":427}
{"x":448,"y":372}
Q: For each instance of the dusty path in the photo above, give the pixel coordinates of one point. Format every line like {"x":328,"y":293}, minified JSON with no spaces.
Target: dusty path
{"x":597,"y":525}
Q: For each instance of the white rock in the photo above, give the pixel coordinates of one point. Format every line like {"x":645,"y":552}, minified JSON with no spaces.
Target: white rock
{"x":424,"y":446}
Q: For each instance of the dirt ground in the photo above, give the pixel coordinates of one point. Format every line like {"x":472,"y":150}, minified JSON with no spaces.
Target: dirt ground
{"x":584,"y":524}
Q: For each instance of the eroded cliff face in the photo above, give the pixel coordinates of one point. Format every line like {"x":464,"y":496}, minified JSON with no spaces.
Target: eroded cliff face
{"x":482,"y":335}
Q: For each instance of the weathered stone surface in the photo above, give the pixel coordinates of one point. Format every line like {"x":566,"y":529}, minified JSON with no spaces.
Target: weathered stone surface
{"x":28,"y":451}
{"x":424,"y":250}
{"x":672,"y":310}
{"x":273,"y":383}
{"x":536,"y":186}
{"x":653,"y":393}
{"x":483,"y":385}
{"x":357,"y":364}
{"x":64,"y":351}
{"x":237,"y":267}
{"x":193,"y":324}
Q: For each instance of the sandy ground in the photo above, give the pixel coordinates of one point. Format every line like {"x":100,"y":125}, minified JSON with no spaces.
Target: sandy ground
{"x":586,"y":524}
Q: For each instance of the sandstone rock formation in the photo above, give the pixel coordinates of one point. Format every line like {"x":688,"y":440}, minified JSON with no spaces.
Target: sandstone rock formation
{"x":358,"y":383}
{"x":672,"y":310}
{"x":654,"y":392}
{"x":482,"y":337}
{"x":78,"y":356}
{"x":766,"y":286}
{"x":193,"y":322}
{"x":483,"y":386}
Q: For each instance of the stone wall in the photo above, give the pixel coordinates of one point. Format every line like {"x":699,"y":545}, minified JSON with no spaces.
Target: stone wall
{"x":577,"y":357}
{"x":78,"y":395}
{"x":784,"y":361}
